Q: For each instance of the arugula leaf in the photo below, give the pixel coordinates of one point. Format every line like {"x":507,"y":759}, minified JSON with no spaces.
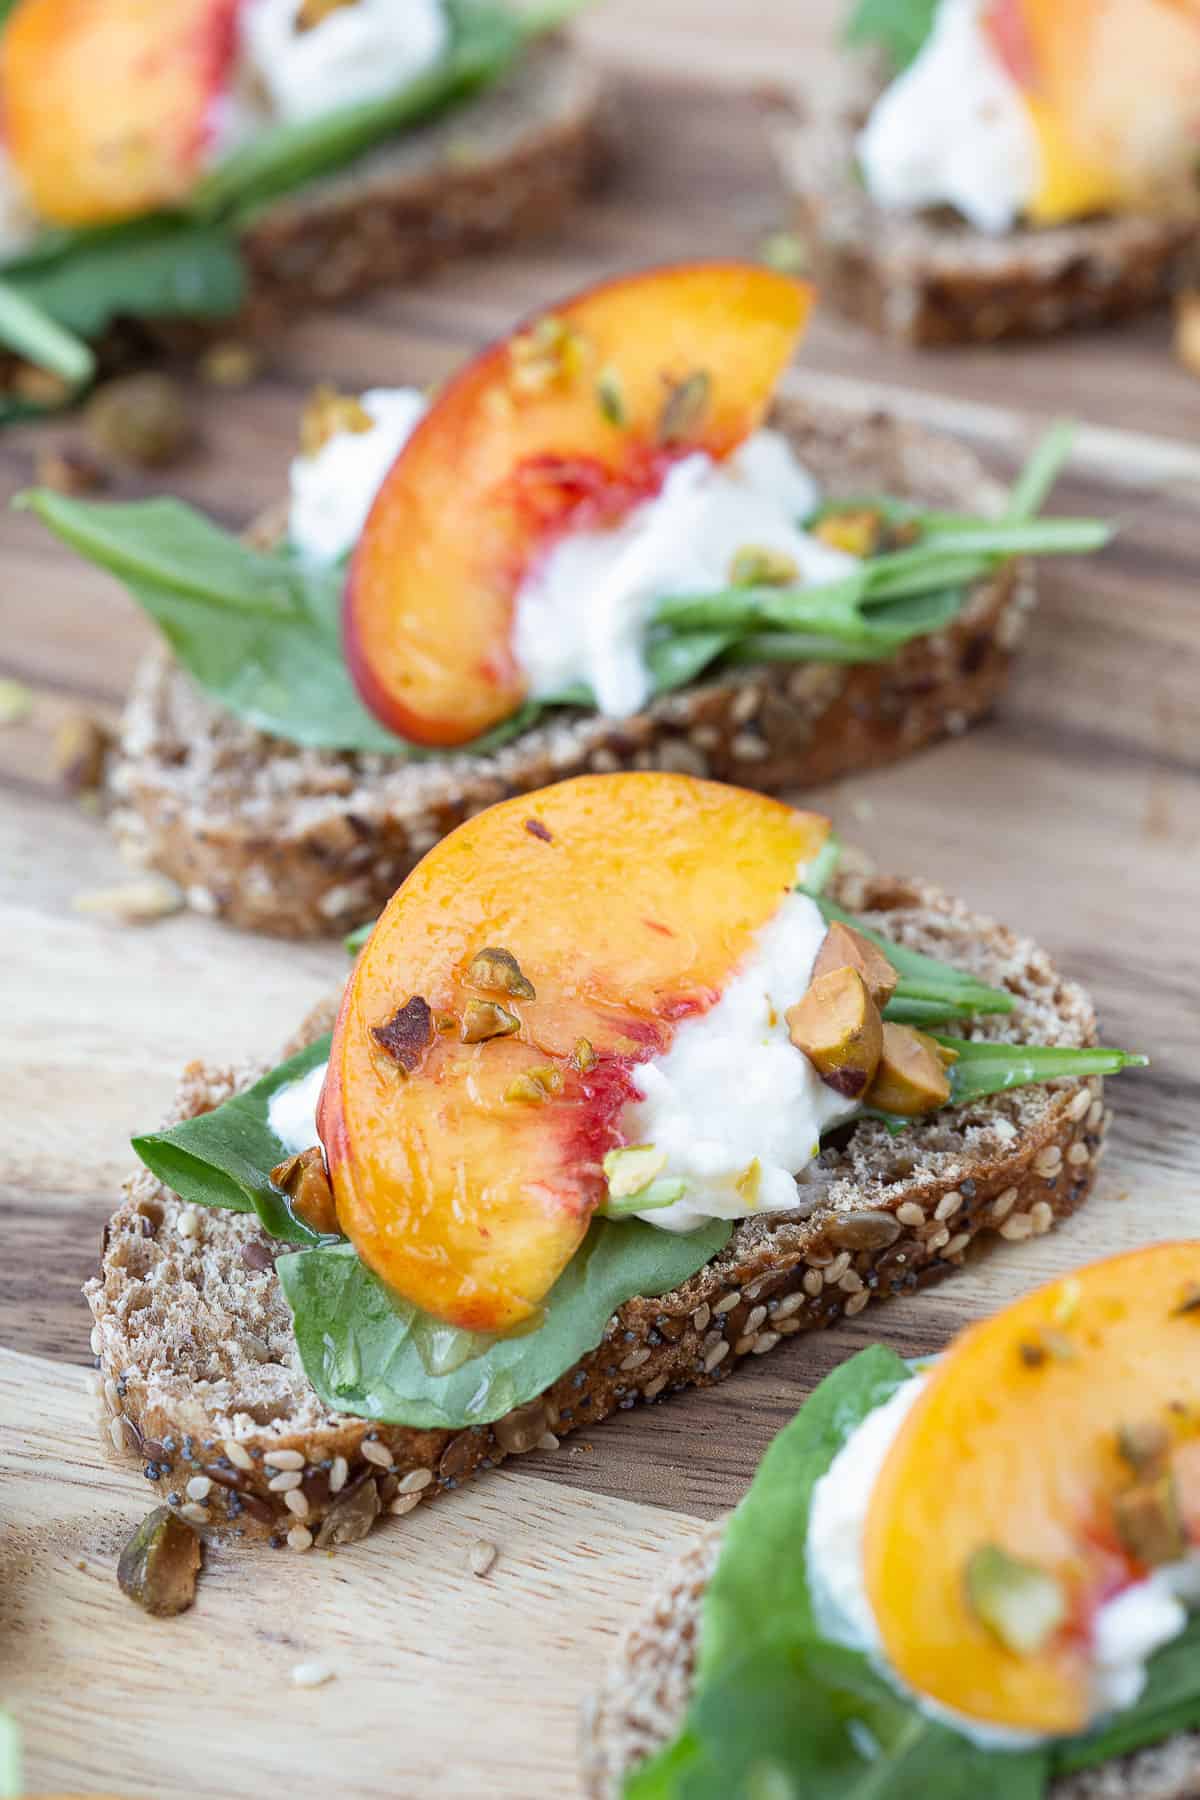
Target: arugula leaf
{"x":899,"y":27}
{"x":224,"y":1157}
{"x":368,"y":1352}
{"x":923,"y":978}
{"x":487,"y":40}
{"x":258,"y":630}
{"x":31,"y":333}
{"x":988,"y":1068}
{"x":154,"y":268}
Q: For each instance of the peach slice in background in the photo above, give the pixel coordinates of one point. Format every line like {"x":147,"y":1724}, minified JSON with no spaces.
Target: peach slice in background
{"x":107,"y":103}
{"x":1051,"y":1456}
{"x":569,"y":422}
{"x":1113,"y":87}
{"x":466,"y":1173}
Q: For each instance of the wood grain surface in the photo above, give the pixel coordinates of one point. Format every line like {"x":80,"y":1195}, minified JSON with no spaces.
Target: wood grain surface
{"x":1074,"y":813}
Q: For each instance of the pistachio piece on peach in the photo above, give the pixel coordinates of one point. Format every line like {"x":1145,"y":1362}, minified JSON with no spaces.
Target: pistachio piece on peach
{"x":499,"y":972}
{"x":610,"y":396}
{"x":845,"y":948}
{"x":684,"y":407}
{"x":535,"y":1084}
{"x":304,"y":1180}
{"x":633,"y":1168}
{"x":157,"y":1568}
{"x":1019,"y":1603}
{"x":407,"y":1035}
{"x":484,"y":1019}
{"x":583,"y":1057}
{"x":1142,"y":1443}
{"x":756,"y":565}
{"x":1148,"y":1522}
{"x":837,"y":1026}
{"x":856,"y":530}
{"x":910,"y":1079}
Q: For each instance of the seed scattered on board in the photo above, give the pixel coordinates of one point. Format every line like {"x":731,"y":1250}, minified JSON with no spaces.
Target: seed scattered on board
{"x":312,"y":1674}
{"x":483,"y":1555}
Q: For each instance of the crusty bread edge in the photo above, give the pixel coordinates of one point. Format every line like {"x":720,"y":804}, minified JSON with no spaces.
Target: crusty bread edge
{"x":933,"y":282}
{"x":751,"y":1298}
{"x":780,"y":728}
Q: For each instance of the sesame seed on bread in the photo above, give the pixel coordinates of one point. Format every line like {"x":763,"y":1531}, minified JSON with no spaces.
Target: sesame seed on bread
{"x":302,"y":842}
{"x":930,"y":278}
{"x":200,"y":1371}
{"x":640,"y":1704}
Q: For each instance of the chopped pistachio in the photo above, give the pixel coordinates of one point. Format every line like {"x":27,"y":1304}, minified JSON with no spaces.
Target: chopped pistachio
{"x":858,"y":531}
{"x":630,"y":1170}
{"x":583,"y":1056}
{"x":230,"y":364}
{"x":535,"y":1084}
{"x":327,"y":414}
{"x":499,"y":972}
{"x":16,"y":702}
{"x":80,"y":747}
{"x":1142,"y":1443}
{"x":610,"y":397}
{"x":549,"y":353}
{"x":652,"y":1198}
{"x":304,"y":1180}
{"x":1190,"y":1300}
{"x":142,"y":419}
{"x":911,"y":1078}
{"x":786,"y":253}
{"x":844,"y":948}
{"x":1148,"y":1522}
{"x":484,"y":1019}
{"x":1033,"y":1355}
{"x":684,"y":407}
{"x":407,"y":1035}
{"x":755,"y":565}
{"x":159,"y":1564}
{"x":314,"y":12}
{"x":1019,"y":1603}
{"x":837,"y":1026}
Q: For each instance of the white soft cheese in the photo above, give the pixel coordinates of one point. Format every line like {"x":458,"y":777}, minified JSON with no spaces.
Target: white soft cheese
{"x":738,"y":1110}
{"x":332,"y":492}
{"x":292,"y":1111}
{"x":953,"y":129}
{"x":583,"y":610}
{"x":1126,"y":1631}
{"x":356,"y":53}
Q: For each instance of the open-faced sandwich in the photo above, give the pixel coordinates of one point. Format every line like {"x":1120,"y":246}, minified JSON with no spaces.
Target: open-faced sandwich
{"x":1002,"y":167}
{"x":619,"y":1093}
{"x":976,"y":1579}
{"x":170,"y":162}
{"x":604,"y":544}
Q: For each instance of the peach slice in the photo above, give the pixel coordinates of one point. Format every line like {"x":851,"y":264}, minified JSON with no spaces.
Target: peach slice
{"x":466,"y":1172}
{"x":1047,"y":1435}
{"x":1087,"y":69}
{"x":570,"y":422}
{"x":107,"y":103}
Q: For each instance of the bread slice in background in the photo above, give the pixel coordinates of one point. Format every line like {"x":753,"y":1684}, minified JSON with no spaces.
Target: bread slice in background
{"x":929,"y":278}
{"x":199,"y":1367}
{"x":303,"y":842}
{"x":640,"y":1705}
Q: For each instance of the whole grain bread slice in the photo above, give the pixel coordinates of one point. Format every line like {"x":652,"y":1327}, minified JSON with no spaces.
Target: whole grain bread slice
{"x":642,"y":1700}
{"x":499,"y":168}
{"x":199,"y":1367}
{"x":301,"y":843}
{"x":930,"y":278}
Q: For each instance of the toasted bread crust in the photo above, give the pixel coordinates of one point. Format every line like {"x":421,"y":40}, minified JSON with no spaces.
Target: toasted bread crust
{"x":640,"y":1705}
{"x":195,"y":1343}
{"x":930,"y":279}
{"x":301,"y":843}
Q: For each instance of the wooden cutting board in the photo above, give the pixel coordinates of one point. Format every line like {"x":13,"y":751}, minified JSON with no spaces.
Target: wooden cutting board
{"x":1074,"y":813}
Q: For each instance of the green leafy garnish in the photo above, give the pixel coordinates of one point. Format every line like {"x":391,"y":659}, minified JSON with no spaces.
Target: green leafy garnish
{"x":30,"y":331}
{"x":778,"y":1712}
{"x":987,"y":1068}
{"x":368,"y":1352}
{"x":898,"y":27}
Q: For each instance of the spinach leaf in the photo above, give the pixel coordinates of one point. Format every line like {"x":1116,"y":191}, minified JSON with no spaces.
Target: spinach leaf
{"x":762,"y":1550}
{"x":154,"y":268}
{"x":487,"y":39}
{"x":258,"y":630}
{"x":370,"y":1353}
{"x":224,"y":1157}
{"x":988,"y":1068}
{"x":899,"y":27}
